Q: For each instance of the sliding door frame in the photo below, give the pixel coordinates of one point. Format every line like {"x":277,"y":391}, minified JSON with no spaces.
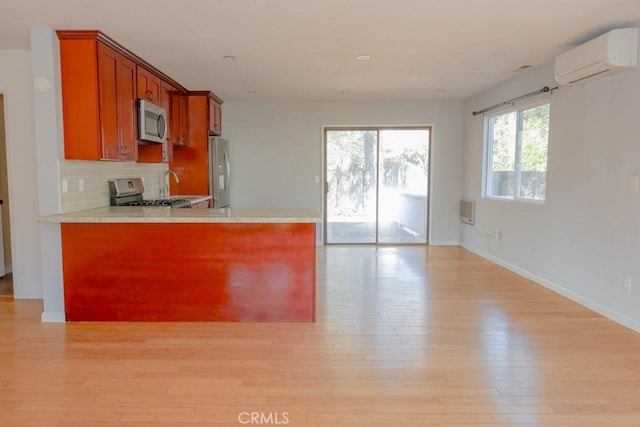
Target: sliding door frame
{"x":377,"y":129}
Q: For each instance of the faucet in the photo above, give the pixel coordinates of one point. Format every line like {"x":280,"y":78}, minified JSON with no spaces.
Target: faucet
{"x":165,"y":189}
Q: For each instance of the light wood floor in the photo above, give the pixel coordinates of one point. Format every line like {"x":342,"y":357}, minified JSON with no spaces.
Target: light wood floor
{"x":405,"y":336}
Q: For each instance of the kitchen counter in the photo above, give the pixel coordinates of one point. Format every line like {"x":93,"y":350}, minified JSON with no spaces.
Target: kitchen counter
{"x":162,"y":264}
{"x":142,"y":214}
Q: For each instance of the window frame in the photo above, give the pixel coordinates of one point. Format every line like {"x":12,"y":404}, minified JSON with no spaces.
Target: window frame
{"x":487,"y":163}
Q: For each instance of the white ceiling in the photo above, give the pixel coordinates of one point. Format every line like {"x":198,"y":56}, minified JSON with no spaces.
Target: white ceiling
{"x":306,"y":49}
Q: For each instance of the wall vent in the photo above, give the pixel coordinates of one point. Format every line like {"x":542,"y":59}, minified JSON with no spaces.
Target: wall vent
{"x":468,"y":211}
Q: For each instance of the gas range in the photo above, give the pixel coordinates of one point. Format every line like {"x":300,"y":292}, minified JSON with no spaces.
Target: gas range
{"x":128,"y":192}
{"x":162,"y":203}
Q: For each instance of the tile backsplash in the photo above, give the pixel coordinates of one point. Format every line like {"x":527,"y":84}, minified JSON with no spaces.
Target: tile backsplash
{"x":95,"y":177}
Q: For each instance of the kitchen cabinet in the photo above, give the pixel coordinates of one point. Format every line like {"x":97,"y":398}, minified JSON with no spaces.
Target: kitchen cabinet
{"x":98,"y":98}
{"x":154,"y":152}
{"x":180,"y":118}
{"x":215,"y":116}
{"x":166,"y":94}
{"x":231,"y":271}
{"x":191,"y":163}
{"x":100,"y":83}
{"x":149,"y":85}
{"x":212,"y":111}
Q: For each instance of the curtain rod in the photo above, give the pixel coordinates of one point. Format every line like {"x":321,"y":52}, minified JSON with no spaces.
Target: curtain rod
{"x":512,"y":100}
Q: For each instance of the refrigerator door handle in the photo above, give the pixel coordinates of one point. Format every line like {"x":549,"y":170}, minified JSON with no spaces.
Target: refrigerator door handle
{"x":228,"y":171}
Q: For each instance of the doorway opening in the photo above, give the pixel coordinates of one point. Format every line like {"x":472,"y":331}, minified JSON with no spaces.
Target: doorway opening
{"x":6,"y":285}
{"x":377,"y":185}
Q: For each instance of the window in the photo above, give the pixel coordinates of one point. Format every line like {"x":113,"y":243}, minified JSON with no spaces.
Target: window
{"x":516,"y":164}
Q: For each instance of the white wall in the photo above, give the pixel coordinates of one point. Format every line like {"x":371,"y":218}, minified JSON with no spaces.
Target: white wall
{"x":15,"y":84}
{"x":276,"y":151}
{"x":585,"y":239}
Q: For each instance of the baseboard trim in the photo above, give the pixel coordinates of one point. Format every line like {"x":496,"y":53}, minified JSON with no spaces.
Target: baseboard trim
{"x":444,"y":243}
{"x":53,"y":317}
{"x":8,"y":269}
{"x":605,"y":311}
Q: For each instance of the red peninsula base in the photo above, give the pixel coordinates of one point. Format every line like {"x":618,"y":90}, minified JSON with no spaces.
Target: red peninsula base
{"x":262,"y":272}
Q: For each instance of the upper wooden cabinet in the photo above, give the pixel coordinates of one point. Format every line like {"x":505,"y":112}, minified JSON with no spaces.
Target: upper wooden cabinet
{"x":214,"y":111}
{"x":98,"y":98}
{"x":100,"y":83}
{"x":192,"y":162}
{"x":215,"y":116}
{"x":180,"y":118}
{"x":149,"y":86}
{"x":155,"y":152}
{"x":166,"y":94}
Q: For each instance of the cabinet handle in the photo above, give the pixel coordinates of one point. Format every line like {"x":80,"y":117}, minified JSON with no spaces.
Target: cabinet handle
{"x":123,"y":151}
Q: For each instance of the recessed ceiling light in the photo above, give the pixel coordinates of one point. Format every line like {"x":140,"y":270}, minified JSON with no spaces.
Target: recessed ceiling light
{"x":252,"y":92}
{"x":344,"y":91}
{"x":363,"y":57}
{"x":522,"y":68}
{"x":439,"y":90}
{"x":229,"y":58}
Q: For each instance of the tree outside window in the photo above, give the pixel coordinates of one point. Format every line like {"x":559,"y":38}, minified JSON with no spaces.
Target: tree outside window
{"x":517,"y":144}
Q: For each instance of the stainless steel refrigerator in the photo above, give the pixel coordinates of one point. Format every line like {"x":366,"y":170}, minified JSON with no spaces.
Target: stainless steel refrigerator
{"x":219,"y":171}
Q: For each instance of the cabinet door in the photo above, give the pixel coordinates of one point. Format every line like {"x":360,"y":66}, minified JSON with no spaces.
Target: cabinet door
{"x":107,"y":95}
{"x":148,"y":86}
{"x":116,"y":89}
{"x":180,"y":118}
{"x":215,"y":117}
{"x":126,"y":106}
{"x":166,"y":92}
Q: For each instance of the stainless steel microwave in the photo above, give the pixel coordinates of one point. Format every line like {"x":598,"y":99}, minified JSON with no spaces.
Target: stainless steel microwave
{"x":152,"y":122}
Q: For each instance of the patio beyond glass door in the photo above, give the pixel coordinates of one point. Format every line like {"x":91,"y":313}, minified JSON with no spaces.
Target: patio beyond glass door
{"x":377,"y":185}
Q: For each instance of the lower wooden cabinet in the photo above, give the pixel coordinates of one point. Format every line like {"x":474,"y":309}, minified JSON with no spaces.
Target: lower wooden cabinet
{"x":231,"y":272}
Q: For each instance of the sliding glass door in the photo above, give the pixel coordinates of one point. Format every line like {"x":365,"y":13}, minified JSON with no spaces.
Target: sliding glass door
{"x":377,"y":185}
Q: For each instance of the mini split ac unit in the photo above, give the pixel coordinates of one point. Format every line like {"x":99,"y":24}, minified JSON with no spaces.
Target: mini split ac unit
{"x":612,"y":52}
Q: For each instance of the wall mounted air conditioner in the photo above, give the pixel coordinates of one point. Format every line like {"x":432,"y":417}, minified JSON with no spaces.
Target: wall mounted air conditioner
{"x":468,"y":211}
{"x":612,"y":52}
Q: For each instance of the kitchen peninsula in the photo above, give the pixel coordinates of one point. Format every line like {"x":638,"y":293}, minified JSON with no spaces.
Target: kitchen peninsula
{"x":160,"y":264}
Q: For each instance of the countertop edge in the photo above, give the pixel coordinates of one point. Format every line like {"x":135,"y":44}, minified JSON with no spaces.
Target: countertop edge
{"x":166,"y":215}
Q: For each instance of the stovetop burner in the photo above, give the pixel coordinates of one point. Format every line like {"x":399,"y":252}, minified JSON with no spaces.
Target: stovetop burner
{"x":128,"y":192}
{"x":170,"y":203}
